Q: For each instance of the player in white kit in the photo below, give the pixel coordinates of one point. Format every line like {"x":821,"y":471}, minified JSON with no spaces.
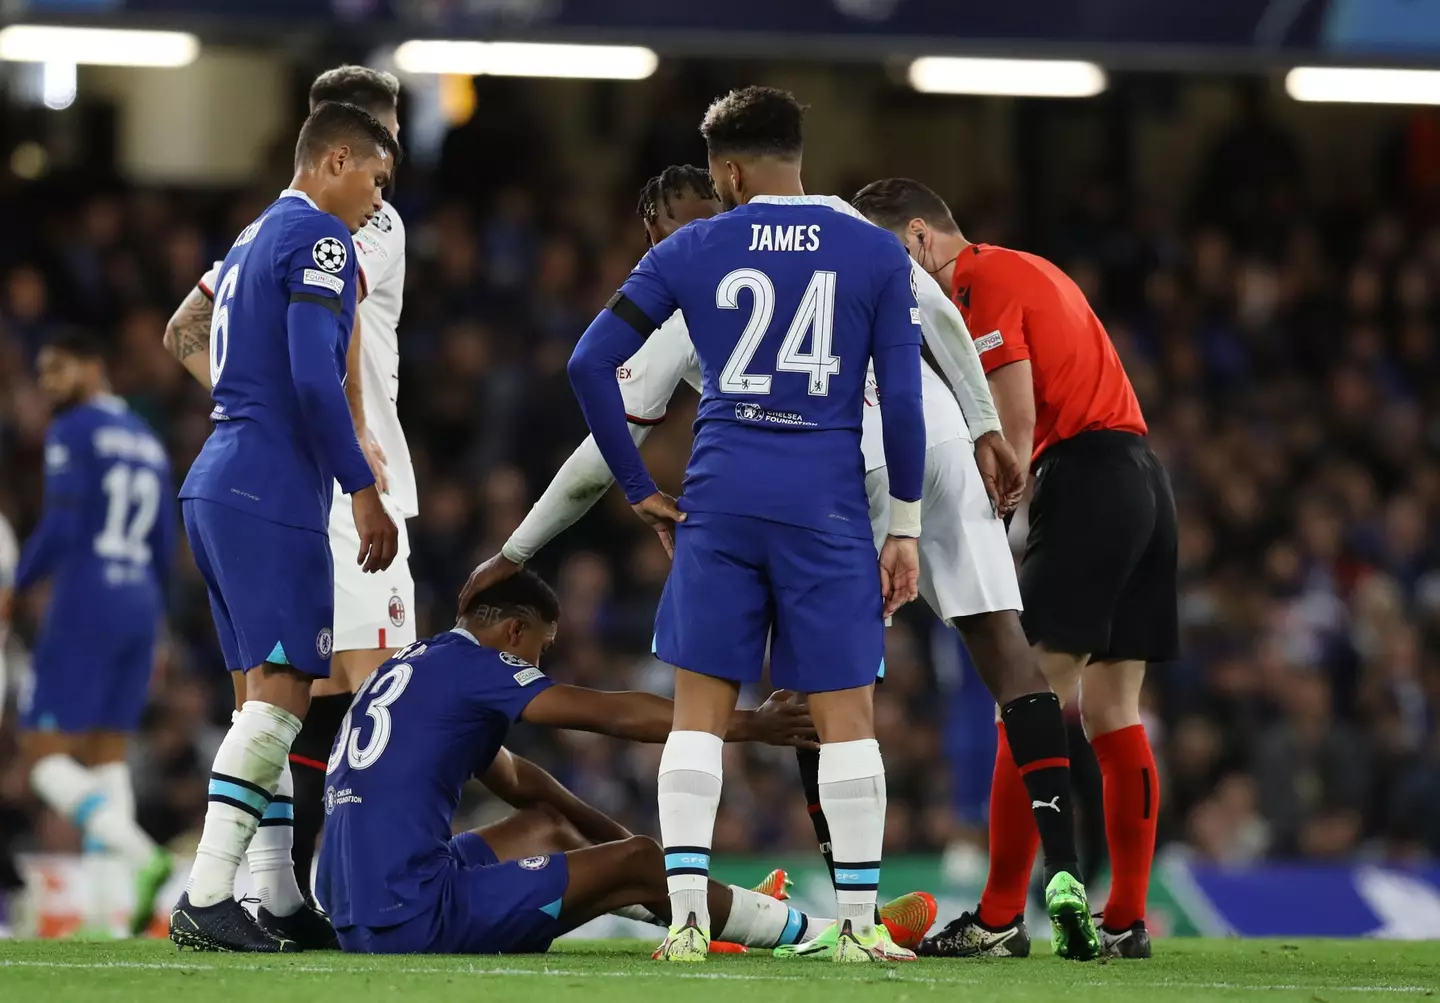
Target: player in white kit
{"x":972,"y":479}
{"x":374,"y":613}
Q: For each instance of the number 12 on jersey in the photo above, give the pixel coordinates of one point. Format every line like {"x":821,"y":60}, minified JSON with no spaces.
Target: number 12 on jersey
{"x":816,"y":314}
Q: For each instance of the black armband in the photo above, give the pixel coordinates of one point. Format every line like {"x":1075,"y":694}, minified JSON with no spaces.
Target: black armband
{"x":328,"y":302}
{"x":624,"y":307}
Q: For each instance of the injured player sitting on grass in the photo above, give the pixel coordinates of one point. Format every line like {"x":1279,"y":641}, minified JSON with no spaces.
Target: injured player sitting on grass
{"x":395,"y":881}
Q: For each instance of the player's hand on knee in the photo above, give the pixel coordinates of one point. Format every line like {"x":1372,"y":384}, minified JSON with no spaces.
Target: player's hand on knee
{"x":661,"y":514}
{"x":1001,"y":470}
{"x":379,"y":536}
{"x":784,"y":719}
{"x":491,"y":572}
{"x":899,"y":572}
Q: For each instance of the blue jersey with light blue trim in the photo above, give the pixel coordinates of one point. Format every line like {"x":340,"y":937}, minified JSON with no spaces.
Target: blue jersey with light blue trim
{"x":786,"y":301}
{"x":261,"y":456}
{"x":425,"y":722}
{"x":108,"y":531}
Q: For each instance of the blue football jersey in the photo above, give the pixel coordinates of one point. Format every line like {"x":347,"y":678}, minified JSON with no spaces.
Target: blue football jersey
{"x":425,"y":722}
{"x":786,"y":301}
{"x":262,"y":457}
{"x":107,"y":534}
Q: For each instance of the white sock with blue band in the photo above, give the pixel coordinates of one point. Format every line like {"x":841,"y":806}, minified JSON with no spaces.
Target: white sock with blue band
{"x":689,"y":796}
{"x":852,"y":795}
{"x":271,"y":857}
{"x":247,"y":769}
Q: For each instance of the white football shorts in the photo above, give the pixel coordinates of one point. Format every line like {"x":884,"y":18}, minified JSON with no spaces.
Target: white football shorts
{"x":371,"y":611}
{"x":965,"y":562}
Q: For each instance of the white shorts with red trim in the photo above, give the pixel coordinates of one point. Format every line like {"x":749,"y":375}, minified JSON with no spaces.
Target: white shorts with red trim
{"x":965,"y":562}
{"x":371,"y":611}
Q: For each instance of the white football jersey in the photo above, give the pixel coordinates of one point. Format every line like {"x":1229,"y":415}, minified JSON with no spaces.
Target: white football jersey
{"x":381,"y":253}
{"x":649,"y":377}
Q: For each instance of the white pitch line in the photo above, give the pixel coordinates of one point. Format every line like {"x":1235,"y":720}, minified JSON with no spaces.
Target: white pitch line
{"x":892,"y":974}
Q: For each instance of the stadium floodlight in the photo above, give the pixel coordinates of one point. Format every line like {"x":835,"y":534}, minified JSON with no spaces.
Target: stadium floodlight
{"x":39,"y":43}
{"x":526,"y":59}
{"x":1040,"y":78}
{"x":1363,"y":85}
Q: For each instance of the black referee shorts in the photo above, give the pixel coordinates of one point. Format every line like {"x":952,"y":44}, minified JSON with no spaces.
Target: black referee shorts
{"x":1099,"y":572}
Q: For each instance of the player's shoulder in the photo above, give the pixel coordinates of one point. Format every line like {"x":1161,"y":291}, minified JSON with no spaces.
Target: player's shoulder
{"x":303,"y":224}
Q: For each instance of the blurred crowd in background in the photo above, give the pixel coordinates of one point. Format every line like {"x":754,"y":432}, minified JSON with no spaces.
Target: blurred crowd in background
{"x":1285,"y":351}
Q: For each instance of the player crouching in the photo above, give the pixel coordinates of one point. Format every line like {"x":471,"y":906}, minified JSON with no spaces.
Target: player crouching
{"x":391,"y":875}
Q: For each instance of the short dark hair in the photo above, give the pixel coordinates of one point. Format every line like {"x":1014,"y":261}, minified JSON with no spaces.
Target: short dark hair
{"x":522,"y":594}
{"x":755,"y":121}
{"x":335,"y":122}
{"x":677,"y":179}
{"x":894,"y":202}
{"x":374,"y":90}
{"x":77,"y":341}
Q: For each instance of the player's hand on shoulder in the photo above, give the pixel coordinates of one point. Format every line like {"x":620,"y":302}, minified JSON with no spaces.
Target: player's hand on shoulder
{"x":1001,"y":470}
{"x":784,"y":719}
{"x":379,"y":536}
{"x":899,"y":572}
{"x":661,"y":514}
{"x":491,"y":572}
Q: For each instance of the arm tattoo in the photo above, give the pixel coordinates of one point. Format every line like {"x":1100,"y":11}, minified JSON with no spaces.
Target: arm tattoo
{"x":189,"y":329}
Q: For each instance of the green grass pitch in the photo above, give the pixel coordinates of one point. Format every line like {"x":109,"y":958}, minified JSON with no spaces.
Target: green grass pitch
{"x":622,"y":972}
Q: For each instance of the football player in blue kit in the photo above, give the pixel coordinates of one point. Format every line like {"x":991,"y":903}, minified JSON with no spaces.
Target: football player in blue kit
{"x":257,"y":501}
{"x":787,"y":303}
{"x":394,"y":879}
{"x":106,"y":542}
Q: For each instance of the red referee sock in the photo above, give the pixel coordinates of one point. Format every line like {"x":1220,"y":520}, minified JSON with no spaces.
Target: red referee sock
{"x":1132,"y":806}
{"x":1014,"y":840}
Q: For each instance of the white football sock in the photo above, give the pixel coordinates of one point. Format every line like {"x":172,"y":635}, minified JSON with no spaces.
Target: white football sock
{"x":99,"y":802}
{"x":105,"y":877}
{"x":114,"y":822}
{"x":757,"y":920}
{"x":852,"y":795}
{"x":272,"y":865}
{"x":66,"y":786}
{"x":247,"y":770}
{"x":689,"y":785}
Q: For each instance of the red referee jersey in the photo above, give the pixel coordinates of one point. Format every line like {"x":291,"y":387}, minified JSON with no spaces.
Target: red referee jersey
{"x":1020,"y":306}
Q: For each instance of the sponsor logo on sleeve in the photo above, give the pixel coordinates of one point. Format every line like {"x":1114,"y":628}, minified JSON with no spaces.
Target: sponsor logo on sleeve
{"x":914,"y":315}
{"x":330,"y":254}
{"x":986,"y":342}
{"x":534,"y":863}
{"x":527,"y":676}
{"x":315,"y":277}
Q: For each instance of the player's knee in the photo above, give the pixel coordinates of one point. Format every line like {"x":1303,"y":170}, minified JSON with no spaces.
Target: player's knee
{"x":644,"y":856}
{"x":1103,"y":711}
{"x":560,"y":832}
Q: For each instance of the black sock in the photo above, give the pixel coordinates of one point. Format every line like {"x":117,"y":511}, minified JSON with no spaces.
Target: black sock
{"x":809,"y":760}
{"x":1036,"y":732}
{"x":307,"y":764}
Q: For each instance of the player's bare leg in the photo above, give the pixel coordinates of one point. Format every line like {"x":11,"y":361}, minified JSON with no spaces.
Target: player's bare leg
{"x":1110,"y":713}
{"x":244,"y":784}
{"x":1030,"y":799}
{"x":84,"y":778}
{"x":329,"y":700}
{"x":689,"y":796}
{"x":743,"y":916}
{"x":852,"y":796}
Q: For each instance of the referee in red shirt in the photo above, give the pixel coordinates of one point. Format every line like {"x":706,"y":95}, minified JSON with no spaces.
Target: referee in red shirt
{"x":1098,"y":578}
